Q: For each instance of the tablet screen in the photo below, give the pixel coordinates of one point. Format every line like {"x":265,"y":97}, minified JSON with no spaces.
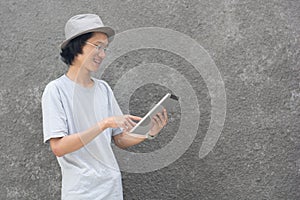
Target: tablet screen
{"x":168,"y":102}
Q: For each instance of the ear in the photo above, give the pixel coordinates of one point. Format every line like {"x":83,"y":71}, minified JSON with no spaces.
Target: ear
{"x":80,"y":59}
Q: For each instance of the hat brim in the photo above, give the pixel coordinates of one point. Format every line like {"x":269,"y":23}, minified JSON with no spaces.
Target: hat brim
{"x":105,"y":29}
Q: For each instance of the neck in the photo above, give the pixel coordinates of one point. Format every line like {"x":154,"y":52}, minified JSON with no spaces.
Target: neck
{"x":80,"y":76}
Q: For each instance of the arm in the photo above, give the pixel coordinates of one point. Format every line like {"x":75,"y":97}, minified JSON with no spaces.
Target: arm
{"x":127,"y":139}
{"x":67,"y":144}
{"x":70,"y":143}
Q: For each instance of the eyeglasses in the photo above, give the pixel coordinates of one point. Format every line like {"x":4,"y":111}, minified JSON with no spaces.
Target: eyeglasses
{"x":100,"y":47}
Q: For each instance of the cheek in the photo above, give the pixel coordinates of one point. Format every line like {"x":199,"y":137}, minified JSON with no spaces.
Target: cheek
{"x":85,"y":56}
{"x":89,"y":53}
{"x":81,"y":58}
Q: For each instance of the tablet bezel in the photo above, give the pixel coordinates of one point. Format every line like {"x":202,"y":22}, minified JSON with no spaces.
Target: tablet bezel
{"x":152,"y":111}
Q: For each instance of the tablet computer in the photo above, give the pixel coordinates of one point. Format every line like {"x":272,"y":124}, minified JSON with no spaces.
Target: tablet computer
{"x":168,"y":102}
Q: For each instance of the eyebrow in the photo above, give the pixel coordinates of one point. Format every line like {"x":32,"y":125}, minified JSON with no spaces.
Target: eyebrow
{"x":100,"y":42}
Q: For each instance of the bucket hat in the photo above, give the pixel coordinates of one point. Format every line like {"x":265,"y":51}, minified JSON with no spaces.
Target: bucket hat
{"x":85,"y":23}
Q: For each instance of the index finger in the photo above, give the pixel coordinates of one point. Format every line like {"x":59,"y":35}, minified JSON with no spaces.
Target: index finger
{"x":135,"y":117}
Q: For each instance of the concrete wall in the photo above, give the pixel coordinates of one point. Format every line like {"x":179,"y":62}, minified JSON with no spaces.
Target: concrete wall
{"x":254,"y":45}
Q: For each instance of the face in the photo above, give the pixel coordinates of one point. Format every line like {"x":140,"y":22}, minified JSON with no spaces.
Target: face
{"x":91,"y":56}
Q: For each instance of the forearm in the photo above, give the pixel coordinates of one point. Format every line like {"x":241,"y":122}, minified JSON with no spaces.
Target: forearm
{"x":125,"y":140}
{"x":73,"y":142}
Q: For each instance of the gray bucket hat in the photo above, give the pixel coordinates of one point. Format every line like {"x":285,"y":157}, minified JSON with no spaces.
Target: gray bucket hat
{"x":85,"y":23}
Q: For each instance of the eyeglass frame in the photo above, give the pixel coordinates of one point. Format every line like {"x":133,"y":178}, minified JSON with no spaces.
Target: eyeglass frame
{"x":98,"y":47}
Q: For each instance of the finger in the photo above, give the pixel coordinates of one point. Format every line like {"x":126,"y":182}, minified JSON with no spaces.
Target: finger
{"x":161,"y":118}
{"x":134,"y":117}
{"x":132,"y":123}
{"x":158,"y":121}
{"x":153,"y":122}
{"x":124,"y":126}
{"x":166,"y":116}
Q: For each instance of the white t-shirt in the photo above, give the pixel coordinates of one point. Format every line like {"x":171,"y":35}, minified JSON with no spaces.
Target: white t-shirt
{"x":91,"y":172}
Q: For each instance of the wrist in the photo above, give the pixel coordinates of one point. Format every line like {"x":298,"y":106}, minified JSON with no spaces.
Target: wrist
{"x":103,"y":124}
{"x":150,"y":137}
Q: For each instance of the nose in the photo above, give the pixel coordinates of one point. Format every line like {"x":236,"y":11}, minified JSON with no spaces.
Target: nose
{"x":101,"y":54}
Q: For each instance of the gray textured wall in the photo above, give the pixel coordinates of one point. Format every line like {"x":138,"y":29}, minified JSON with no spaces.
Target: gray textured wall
{"x":255,"y":45}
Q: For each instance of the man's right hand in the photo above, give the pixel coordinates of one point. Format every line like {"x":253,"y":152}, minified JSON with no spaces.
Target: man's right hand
{"x":126,"y":122}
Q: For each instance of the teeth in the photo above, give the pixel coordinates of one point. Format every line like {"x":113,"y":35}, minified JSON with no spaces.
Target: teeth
{"x":97,"y":61}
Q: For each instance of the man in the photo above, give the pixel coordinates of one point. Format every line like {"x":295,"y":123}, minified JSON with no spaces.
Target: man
{"x":81,"y":115}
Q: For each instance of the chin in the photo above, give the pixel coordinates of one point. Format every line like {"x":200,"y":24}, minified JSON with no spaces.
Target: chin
{"x":95,"y":68}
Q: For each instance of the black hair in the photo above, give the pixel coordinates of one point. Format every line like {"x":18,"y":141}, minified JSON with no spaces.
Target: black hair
{"x":73,"y":48}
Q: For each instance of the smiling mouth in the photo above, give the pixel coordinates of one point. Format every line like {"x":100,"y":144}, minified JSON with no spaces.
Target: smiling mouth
{"x":97,"y":61}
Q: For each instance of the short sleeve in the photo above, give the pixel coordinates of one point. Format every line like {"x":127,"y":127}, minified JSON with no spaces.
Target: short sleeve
{"x":54,"y":117}
{"x":114,"y":109}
